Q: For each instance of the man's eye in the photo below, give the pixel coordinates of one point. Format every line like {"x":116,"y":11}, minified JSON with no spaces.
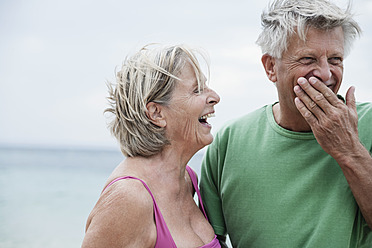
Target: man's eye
{"x":307,"y":60}
{"x":335,"y":60}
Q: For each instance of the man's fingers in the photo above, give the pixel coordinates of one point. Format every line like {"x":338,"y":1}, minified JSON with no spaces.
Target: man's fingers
{"x":322,"y":95}
{"x":350,"y":98}
{"x":308,"y":102}
{"x":305,"y":112}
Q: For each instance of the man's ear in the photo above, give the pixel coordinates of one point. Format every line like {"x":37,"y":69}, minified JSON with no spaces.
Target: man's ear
{"x":269,"y":65}
{"x":155,"y":114}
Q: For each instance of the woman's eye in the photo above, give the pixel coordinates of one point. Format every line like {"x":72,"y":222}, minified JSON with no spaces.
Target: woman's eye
{"x":198,"y":90}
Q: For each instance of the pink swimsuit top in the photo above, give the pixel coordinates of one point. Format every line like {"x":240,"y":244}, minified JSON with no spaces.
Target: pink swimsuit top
{"x":164,"y":237}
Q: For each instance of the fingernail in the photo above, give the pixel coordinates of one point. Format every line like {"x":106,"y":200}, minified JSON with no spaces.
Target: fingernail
{"x":297,"y":89}
{"x":301,"y":80}
{"x":312,"y":80}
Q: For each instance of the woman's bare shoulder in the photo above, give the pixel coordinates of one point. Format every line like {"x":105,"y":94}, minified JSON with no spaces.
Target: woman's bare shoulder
{"x":122,"y":215}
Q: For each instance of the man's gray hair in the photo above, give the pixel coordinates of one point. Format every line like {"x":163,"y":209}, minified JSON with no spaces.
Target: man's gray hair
{"x":287,"y":17}
{"x":150,"y":75}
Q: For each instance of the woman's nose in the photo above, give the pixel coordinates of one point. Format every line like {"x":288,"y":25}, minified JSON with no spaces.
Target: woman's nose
{"x":213,"y":97}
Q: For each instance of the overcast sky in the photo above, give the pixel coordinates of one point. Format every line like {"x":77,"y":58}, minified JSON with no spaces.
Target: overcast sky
{"x":57,"y":55}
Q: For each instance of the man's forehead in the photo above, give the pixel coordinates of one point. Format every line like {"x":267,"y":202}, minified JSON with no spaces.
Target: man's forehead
{"x":314,"y":34}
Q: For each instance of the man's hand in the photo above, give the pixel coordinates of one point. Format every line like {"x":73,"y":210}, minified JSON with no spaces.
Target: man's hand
{"x":335,"y":127}
{"x":334,"y":123}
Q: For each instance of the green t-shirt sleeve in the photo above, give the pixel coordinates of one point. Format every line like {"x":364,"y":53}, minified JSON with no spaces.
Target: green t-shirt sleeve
{"x":209,"y":188}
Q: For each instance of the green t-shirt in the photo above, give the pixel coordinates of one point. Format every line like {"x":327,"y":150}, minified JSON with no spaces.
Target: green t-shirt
{"x":268,"y":187}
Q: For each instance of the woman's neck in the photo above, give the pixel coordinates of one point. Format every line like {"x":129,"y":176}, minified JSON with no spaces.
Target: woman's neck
{"x":162,"y":170}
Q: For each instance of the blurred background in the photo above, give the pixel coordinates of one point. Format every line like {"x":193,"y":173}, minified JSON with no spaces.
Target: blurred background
{"x":56,"y":57}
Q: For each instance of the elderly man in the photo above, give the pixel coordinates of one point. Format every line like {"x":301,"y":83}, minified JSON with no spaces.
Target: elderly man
{"x":296,"y":173}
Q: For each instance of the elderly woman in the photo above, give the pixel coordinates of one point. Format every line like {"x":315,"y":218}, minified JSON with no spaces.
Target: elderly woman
{"x":161,"y":104}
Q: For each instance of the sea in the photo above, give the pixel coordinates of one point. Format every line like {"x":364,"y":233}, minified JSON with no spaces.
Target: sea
{"x":46,"y":194}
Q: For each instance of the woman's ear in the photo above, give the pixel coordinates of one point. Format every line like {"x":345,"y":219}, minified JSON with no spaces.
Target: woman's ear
{"x":155,"y":114}
{"x":269,"y":65}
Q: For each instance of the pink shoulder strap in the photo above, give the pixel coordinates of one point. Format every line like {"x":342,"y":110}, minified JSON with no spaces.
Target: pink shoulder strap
{"x":215,"y":243}
{"x":196,"y":187}
{"x":164,"y":237}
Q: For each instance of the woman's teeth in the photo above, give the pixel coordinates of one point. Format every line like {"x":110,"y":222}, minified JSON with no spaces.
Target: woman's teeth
{"x":206,"y":116}
{"x":203,"y":119}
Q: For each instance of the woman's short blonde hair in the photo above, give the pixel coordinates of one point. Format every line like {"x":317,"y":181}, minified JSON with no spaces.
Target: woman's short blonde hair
{"x":150,"y":75}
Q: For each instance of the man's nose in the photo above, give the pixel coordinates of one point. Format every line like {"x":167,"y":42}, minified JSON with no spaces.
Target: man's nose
{"x":323,"y":71}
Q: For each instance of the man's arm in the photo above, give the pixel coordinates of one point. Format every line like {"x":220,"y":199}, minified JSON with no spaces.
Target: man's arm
{"x":209,"y":187}
{"x":222,"y":239}
{"x":335,"y":126}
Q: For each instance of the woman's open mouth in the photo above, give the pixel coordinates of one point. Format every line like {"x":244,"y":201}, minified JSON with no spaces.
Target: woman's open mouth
{"x":203,"y":119}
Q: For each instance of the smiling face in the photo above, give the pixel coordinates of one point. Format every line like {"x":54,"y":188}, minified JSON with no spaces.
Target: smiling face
{"x":188,"y":111}
{"x":321,"y":56}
